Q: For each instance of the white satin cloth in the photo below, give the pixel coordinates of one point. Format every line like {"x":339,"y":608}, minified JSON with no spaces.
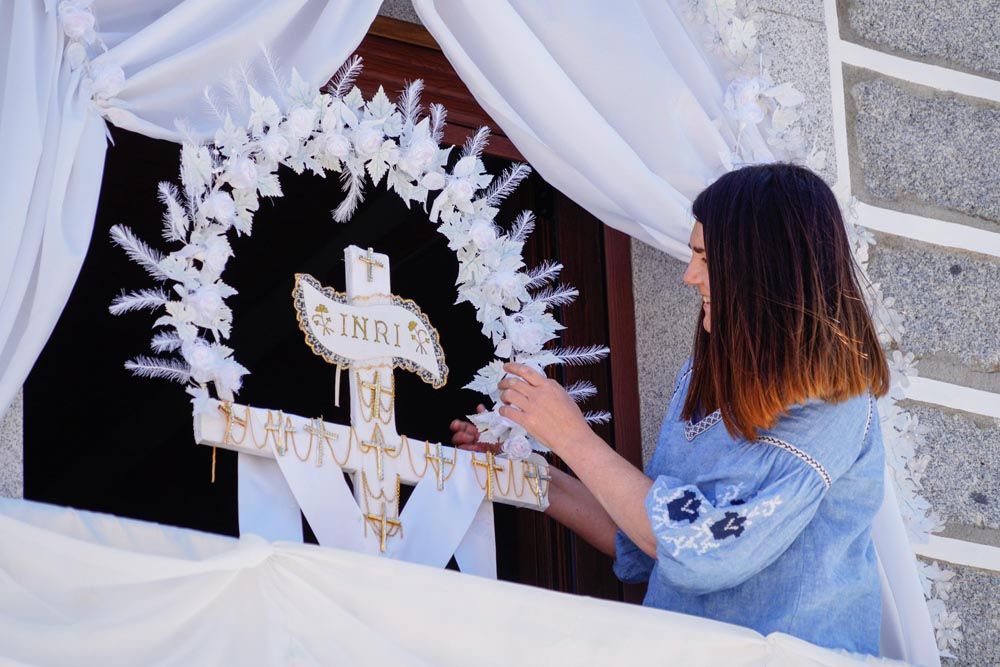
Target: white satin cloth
{"x":52,"y":135}
{"x":78,"y":588}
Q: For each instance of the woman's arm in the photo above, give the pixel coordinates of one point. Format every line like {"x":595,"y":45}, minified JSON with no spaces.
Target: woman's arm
{"x":570,"y":502}
{"x":547,"y":412}
{"x":574,"y":506}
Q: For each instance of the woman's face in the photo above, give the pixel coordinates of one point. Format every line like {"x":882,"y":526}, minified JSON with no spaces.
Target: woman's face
{"x":696,"y":274}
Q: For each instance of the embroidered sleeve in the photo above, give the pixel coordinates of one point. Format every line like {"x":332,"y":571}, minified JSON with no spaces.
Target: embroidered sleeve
{"x":631,"y":565}
{"x":704,"y":547}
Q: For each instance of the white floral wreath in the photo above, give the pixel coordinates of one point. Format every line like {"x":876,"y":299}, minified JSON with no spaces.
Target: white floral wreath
{"x":337,"y":130}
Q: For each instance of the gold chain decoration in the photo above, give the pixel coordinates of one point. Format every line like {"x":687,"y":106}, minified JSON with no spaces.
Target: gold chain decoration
{"x":375,"y":392}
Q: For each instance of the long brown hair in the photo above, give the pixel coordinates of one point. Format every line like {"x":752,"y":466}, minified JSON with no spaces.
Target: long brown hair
{"x":788,"y":318}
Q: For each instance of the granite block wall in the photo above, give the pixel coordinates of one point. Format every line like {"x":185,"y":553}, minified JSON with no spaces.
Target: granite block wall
{"x":12,"y":450}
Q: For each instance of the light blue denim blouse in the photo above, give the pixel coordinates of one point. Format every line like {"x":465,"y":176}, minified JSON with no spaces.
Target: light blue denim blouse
{"x":774,"y":534}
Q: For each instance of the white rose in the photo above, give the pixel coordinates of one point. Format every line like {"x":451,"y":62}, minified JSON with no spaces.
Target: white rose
{"x":461,"y":189}
{"x":500,"y":287}
{"x":230,"y":374}
{"x":274,"y":146}
{"x":742,"y":100}
{"x":483,"y":233}
{"x":219,"y":206}
{"x":300,"y":121}
{"x":367,"y":141}
{"x":75,"y":54}
{"x":337,"y":146}
{"x":217,"y":253}
{"x":77,"y":21}
{"x":206,"y":301}
{"x":107,"y":80}
{"x":432,"y":181}
{"x":419,"y":155}
{"x":201,"y":358}
{"x":242,"y":174}
{"x":517,"y":447}
{"x":525,"y":335}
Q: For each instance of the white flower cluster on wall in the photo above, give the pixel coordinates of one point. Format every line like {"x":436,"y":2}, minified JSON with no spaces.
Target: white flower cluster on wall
{"x":728,"y":29}
{"x":752,"y":98}
{"x":339,"y":131}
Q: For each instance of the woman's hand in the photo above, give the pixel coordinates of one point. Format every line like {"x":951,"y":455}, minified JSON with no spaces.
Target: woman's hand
{"x":465,"y":435}
{"x":542,"y":407}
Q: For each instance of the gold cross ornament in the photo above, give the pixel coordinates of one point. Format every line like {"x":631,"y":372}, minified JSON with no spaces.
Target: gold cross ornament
{"x":378,"y":444}
{"x":376,"y":391}
{"x":490,"y":464}
{"x":386,"y":527}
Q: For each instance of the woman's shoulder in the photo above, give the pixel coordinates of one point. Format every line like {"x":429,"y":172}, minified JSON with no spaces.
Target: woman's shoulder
{"x":833,"y":433}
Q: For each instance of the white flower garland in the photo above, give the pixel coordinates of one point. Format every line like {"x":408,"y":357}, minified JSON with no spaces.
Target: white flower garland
{"x":753,"y":99}
{"x":339,"y":131}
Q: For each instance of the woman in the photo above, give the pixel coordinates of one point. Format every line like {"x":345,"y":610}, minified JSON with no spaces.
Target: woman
{"x":757,"y":504}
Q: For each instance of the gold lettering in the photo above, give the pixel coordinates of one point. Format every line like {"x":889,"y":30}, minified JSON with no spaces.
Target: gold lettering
{"x":363,"y":327}
{"x":397,"y":334}
{"x":343,"y":324}
{"x":383,"y":329}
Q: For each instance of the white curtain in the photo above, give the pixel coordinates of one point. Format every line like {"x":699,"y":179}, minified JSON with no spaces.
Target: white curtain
{"x":612,"y":102}
{"x":87,"y":589}
{"x":616,"y":106}
{"x":52,"y":133}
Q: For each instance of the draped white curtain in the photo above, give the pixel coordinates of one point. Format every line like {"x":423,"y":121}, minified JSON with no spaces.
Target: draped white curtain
{"x":612,"y":102}
{"x":617,"y":106}
{"x":90,"y":589}
{"x":52,"y":134}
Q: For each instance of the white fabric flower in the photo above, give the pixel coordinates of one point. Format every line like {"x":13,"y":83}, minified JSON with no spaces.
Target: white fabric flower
{"x":274,"y":146}
{"x":107,"y":80}
{"x":242,"y":173}
{"x":432,"y":181}
{"x":75,"y":54}
{"x":337,"y":146}
{"x":204,"y":359}
{"x":77,"y":21}
{"x":367,"y":141}
{"x":219,"y":206}
{"x":418,"y":156}
{"x":461,"y":189}
{"x":742,"y":97}
{"x":217,"y":252}
{"x":517,"y":447}
{"x":524,"y":334}
{"x":206,"y":302}
{"x":483,"y":233}
{"x":500,"y":287}
{"x":300,"y":121}
{"x":229,"y":374}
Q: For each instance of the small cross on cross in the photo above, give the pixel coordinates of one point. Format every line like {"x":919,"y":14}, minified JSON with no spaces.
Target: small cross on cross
{"x":371,"y":262}
{"x":377,"y":391}
{"x":377,"y":443}
{"x":490,"y":464}
{"x":535,"y":477}
{"x":386,"y":527}
{"x":439,"y":461}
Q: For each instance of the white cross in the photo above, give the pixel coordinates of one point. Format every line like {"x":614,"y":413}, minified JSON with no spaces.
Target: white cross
{"x":369,"y":448}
